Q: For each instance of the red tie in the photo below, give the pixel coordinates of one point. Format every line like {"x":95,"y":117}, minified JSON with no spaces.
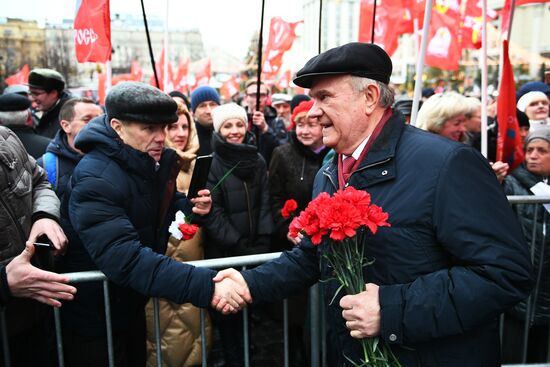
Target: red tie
{"x":347,"y":167}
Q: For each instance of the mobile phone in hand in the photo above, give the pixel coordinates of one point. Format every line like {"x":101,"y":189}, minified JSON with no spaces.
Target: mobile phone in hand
{"x":200,"y":175}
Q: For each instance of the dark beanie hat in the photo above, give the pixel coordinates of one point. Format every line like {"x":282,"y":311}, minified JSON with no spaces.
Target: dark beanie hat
{"x":14,"y":102}
{"x":295,"y":101}
{"x":47,"y":79}
{"x":365,"y":60}
{"x":177,"y":93}
{"x":139,"y":102}
{"x":202,"y":94}
{"x":523,"y":120}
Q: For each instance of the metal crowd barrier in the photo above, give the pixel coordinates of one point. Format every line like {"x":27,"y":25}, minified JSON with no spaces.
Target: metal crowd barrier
{"x":318,"y":351}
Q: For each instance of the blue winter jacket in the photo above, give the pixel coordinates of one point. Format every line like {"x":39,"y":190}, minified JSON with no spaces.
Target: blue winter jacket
{"x":112,"y":217}
{"x":453,"y":259}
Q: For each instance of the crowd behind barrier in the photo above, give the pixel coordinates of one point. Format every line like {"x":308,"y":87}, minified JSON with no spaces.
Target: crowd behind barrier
{"x":242,"y":262}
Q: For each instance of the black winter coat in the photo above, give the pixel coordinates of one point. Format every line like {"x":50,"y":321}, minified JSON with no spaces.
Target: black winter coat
{"x":291,"y":173}
{"x":48,"y":124}
{"x":35,"y":144}
{"x":453,"y":259}
{"x":66,"y":161}
{"x":240,"y":222}
{"x":113,"y":222}
{"x":518,"y":183}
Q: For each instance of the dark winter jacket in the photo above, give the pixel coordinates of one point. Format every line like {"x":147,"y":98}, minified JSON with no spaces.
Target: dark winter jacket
{"x":275,"y":135}
{"x":48,"y":125}
{"x":66,"y":160}
{"x":453,"y":259}
{"x":114,"y":223}
{"x":240,"y":222}
{"x":35,"y":144}
{"x":291,"y":173}
{"x":518,"y":183}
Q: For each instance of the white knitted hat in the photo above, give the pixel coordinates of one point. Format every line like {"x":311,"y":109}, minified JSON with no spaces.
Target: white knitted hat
{"x":529,"y":97}
{"x":228,"y":111}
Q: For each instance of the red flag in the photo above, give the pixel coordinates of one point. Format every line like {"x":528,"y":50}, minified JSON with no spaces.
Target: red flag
{"x":180,"y":80}
{"x":229,"y":88}
{"x":281,"y":37}
{"x":472,"y":19}
{"x":101,"y":81}
{"x":135,"y":71}
{"x":202,"y":76}
{"x":509,"y":149}
{"x":284,"y":80}
{"x":92,"y":25}
{"x":387,"y":23}
{"x":159,"y":66}
{"x":443,"y":49}
{"x":21,"y":77}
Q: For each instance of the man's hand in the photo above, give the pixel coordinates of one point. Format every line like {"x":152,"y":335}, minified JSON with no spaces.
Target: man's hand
{"x":52,"y":230}
{"x":500,"y":169}
{"x":258,"y":119}
{"x":362,"y":312}
{"x":27,"y":281}
{"x":202,"y":203}
{"x":231,"y":292}
{"x":295,"y":240}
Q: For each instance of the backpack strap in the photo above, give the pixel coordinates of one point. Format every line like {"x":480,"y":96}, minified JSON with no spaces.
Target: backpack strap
{"x":51,"y":166}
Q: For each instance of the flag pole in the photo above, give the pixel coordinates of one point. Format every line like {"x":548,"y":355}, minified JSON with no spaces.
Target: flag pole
{"x":260,"y":46}
{"x":420,"y":63}
{"x":373,"y":20}
{"x":320,"y":28}
{"x":484,"y":80}
{"x":151,"y":55}
{"x":165,"y":66}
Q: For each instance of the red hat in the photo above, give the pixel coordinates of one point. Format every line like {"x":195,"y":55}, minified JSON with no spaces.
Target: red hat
{"x":303,"y":107}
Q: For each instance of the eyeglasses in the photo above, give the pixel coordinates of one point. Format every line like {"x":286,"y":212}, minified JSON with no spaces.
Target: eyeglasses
{"x":262,"y":95}
{"x":36,"y":94}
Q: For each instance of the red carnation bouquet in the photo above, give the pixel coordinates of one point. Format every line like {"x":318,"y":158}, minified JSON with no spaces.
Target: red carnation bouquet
{"x":289,"y":208}
{"x":341,"y":220}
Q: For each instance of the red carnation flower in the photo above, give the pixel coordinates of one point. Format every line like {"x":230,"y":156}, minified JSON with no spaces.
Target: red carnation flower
{"x":188,"y":230}
{"x":290,"y":206}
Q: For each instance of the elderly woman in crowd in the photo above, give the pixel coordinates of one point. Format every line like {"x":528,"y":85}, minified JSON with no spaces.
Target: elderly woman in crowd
{"x":180,"y":324}
{"x":240,"y":222}
{"x":535,"y":106}
{"x":535,"y":222}
{"x":446,"y":114}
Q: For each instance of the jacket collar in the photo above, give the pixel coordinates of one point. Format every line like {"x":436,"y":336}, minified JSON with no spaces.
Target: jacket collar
{"x":378,"y":165}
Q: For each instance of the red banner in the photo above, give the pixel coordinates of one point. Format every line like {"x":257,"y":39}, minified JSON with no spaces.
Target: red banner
{"x":281,"y":37}
{"x":472,"y":22}
{"x":180,"y":80}
{"x":229,"y":88}
{"x":92,"y":25}
{"x":444,"y":49}
{"x":202,"y":76}
{"x":509,"y":149}
{"x":284,"y":80}
{"x":21,"y":77}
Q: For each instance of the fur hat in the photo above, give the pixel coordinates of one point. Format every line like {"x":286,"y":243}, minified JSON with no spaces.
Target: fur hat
{"x":228,"y":111}
{"x":139,"y":102}
{"x":202,"y":94}
{"x":46,"y":79}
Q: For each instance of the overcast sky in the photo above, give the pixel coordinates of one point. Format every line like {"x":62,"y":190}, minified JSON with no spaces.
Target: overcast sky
{"x":225,"y":23}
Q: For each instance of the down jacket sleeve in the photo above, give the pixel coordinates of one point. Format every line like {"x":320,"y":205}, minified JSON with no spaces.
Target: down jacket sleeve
{"x":490,"y":271}
{"x":96,"y":211}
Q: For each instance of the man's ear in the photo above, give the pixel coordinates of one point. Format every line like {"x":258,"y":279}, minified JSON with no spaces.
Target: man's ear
{"x":117,"y":126}
{"x":372,"y":97}
{"x":66,"y":126}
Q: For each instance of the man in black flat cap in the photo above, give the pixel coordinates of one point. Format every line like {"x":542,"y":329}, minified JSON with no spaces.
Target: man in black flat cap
{"x":116,"y":211}
{"x":46,"y":88}
{"x":445,"y":269}
{"x":16,"y":115}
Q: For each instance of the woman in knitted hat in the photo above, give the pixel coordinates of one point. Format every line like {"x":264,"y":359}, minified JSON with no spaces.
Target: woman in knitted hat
{"x":181,"y":333}
{"x":292,"y":170}
{"x":535,"y":106}
{"x":240,"y":221}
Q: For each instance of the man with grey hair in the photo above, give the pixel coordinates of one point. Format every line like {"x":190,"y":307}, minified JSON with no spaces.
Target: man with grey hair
{"x":15,"y":115}
{"x":117,"y":209}
{"x":444,"y":270}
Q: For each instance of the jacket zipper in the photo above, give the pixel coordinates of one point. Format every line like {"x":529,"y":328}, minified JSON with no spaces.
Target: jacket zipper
{"x":303,"y":169}
{"x":359,"y":170}
{"x":248,"y":209}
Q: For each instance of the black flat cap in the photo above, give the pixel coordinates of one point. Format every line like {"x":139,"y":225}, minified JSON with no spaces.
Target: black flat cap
{"x":365,"y":60}
{"x":47,"y":79}
{"x":14,"y":102}
{"x":139,"y":102}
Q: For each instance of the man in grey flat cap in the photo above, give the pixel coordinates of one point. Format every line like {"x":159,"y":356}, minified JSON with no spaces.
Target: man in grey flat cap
{"x":445,"y":269}
{"x":121,"y":199}
{"x":46,"y":88}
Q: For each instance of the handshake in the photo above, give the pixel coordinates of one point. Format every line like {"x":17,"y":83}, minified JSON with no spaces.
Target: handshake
{"x":231,"y":293}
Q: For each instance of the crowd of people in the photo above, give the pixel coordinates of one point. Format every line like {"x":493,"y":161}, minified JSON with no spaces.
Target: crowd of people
{"x":103,"y":186}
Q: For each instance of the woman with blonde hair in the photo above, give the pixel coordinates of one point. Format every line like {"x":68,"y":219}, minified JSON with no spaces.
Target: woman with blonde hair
{"x":444,"y":114}
{"x":180,"y":324}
